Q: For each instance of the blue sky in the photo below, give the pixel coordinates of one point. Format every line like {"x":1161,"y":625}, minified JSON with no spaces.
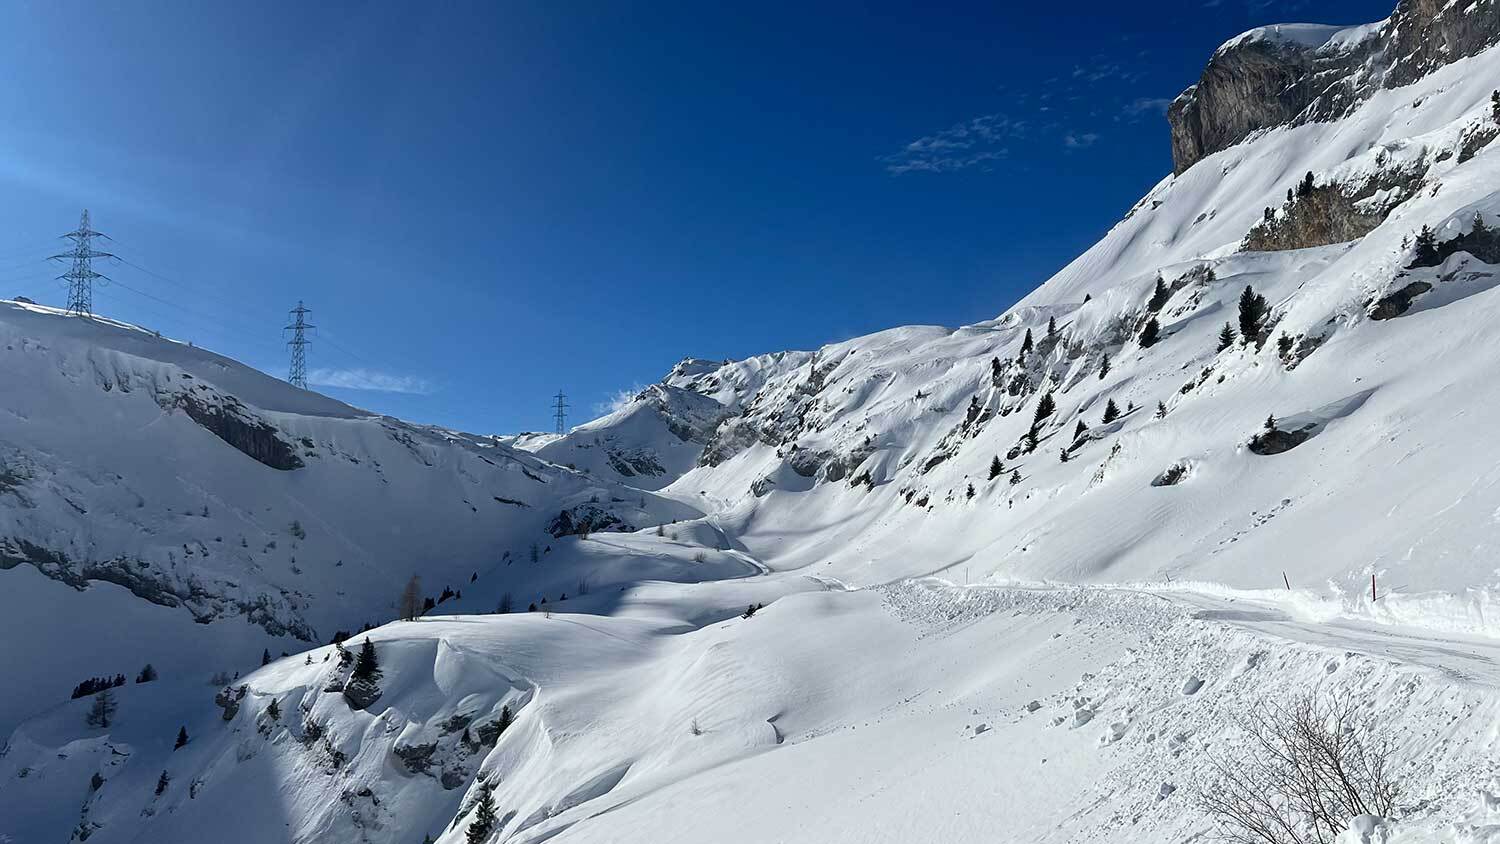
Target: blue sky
{"x":483,"y":203}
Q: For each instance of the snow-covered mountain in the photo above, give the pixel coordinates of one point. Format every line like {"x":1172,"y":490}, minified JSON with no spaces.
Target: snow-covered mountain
{"x":1020,"y":577}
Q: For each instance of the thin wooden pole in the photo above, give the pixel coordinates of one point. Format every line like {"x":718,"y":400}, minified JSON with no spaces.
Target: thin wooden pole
{"x":1287,"y":582}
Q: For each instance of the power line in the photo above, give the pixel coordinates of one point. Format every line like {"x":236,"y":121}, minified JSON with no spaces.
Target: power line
{"x":81,"y":275}
{"x":561,"y":409}
{"x":297,"y":375}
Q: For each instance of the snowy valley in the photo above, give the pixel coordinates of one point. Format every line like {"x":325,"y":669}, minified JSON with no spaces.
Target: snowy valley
{"x":1015,"y":581}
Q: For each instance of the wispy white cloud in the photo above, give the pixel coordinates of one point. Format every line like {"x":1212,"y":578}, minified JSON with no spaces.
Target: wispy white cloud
{"x":1080,"y":140}
{"x":369,"y":379}
{"x":618,"y":399}
{"x":1147,"y":105}
{"x":968,"y":144}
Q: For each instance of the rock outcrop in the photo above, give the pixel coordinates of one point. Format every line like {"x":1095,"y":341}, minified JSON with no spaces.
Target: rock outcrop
{"x":1293,"y":74}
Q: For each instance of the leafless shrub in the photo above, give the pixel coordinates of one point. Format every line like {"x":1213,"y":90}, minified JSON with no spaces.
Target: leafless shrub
{"x":1306,"y":769}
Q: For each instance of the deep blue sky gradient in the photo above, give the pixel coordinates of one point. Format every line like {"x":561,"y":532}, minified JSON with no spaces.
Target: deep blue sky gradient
{"x":486,"y":202}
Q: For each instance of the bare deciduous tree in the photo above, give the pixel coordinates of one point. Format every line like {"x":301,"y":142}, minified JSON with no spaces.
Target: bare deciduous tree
{"x":410,"y":606}
{"x":1307,"y":768}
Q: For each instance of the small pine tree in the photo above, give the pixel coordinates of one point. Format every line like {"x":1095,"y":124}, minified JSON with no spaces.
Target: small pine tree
{"x":482,"y":821}
{"x":996,"y":467}
{"x":274,"y":710}
{"x":1063,"y":453}
{"x":1271,"y":422}
{"x":1044,"y":408}
{"x":102,"y":712}
{"x":182,"y":738}
{"x":1480,"y":229}
{"x":506,"y":718}
{"x":1252,"y":314}
{"x":1159,"y":296}
{"x":1161,"y":410}
{"x":1495,"y":106}
{"x":147,"y":674}
{"x":1103,"y":367}
{"x":265,"y":657}
{"x":162,"y":782}
{"x":1426,"y":248}
{"x":1226,"y":337}
{"x":1031,"y":439}
{"x":1015,"y":477}
{"x":366,"y":666}
{"x":1111,"y":411}
{"x":970,"y":493}
{"x":1026,"y":344}
{"x":1151,"y":333}
{"x":1307,"y":185}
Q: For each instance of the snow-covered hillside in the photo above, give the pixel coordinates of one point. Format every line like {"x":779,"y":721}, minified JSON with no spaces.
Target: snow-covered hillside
{"x":1019,"y":578}
{"x":150,"y":480}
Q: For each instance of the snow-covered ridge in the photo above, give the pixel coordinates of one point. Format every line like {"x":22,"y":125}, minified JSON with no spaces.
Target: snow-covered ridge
{"x":1307,"y":36}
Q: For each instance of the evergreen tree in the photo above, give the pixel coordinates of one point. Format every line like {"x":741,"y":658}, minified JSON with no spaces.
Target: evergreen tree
{"x":1111,"y":411}
{"x":1103,"y":367}
{"x":1063,"y":453}
{"x":506,"y":718}
{"x":1159,"y":296}
{"x":1151,"y":333}
{"x":1271,"y":422}
{"x":970,"y":493}
{"x":1252,"y":314}
{"x":1015,"y":477}
{"x":1051,"y":326}
{"x":1480,"y":229}
{"x":265,"y":657}
{"x":102,"y":713}
{"x":162,"y":782}
{"x":1226,"y":337}
{"x":181,"y":738}
{"x":147,"y":674}
{"x":1307,"y":185}
{"x":274,"y":710}
{"x":1026,"y":344}
{"x":1495,"y":105}
{"x":1044,"y":408}
{"x":1426,"y":244}
{"x":1161,"y":410}
{"x":995,"y":371}
{"x":482,"y":821}
{"x":996,"y":468}
{"x":1031,"y":439}
{"x":366,"y":666}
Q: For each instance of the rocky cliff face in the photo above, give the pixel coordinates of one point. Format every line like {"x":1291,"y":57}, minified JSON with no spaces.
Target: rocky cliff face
{"x":1293,"y":74}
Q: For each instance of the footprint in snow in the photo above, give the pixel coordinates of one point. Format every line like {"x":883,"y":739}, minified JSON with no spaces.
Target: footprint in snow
{"x":1191,"y":686}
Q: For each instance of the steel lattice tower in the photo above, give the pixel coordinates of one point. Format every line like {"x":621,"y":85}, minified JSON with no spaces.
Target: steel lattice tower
{"x":297,"y":375}
{"x":80,"y":276}
{"x":561,"y":409}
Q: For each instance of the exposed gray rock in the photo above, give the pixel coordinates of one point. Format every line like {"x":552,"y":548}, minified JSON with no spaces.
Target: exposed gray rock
{"x":1278,"y":441}
{"x":1172,"y":476}
{"x":1395,"y":304}
{"x":361,"y":694}
{"x":587,"y":518}
{"x":232,"y":422}
{"x":416,"y":757}
{"x":1260,"y":83}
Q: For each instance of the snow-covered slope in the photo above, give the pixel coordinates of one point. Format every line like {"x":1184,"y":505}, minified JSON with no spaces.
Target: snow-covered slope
{"x":154,"y":481}
{"x":1047,"y":649}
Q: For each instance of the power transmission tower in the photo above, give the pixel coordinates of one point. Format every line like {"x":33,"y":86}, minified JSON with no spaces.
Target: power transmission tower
{"x":562,"y":411}
{"x":298,"y":344}
{"x":80,"y":276}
